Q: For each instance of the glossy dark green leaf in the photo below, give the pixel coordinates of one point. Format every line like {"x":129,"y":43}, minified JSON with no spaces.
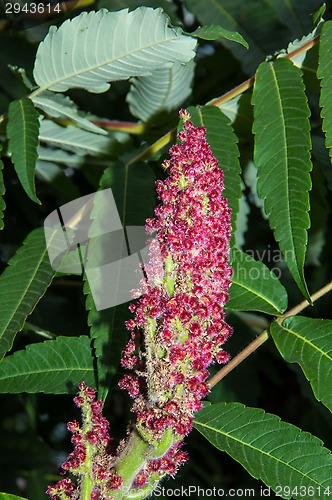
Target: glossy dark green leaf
{"x":279,"y":454}
{"x":22,"y":284}
{"x":308,"y":342}
{"x":282,"y":156}
{"x":22,"y":131}
{"x":53,"y":367}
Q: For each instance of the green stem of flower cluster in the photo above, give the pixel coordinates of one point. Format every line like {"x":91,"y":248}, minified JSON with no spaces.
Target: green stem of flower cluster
{"x":87,"y":483}
{"x":133,"y":459}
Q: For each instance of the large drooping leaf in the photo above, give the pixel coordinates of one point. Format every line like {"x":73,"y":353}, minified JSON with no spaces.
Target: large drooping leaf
{"x":96,"y":48}
{"x":53,"y":367}
{"x":256,"y":21}
{"x":22,"y":284}
{"x":60,"y":106}
{"x":325,"y":74}
{"x":74,"y":139}
{"x":2,"y":192}
{"x":308,"y":342}
{"x":165,"y":89}
{"x":254,"y":286}
{"x":133,"y":189}
{"x":293,"y":463}
{"x":282,"y":156}
{"x":223,"y":143}
{"x":22,"y":131}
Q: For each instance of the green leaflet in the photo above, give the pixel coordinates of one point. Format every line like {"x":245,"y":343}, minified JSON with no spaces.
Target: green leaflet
{"x":133,"y":189}
{"x":282,"y":156}
{"x":129,"y":44}
{"x":276,"y":452}
{"x":163,"y":90}
{"x":325,"y":74}
{"x":2,"y":192}
{"x":223,"y":143}
{"x":22,"y":284}
{"x":60,"y":106}
{"x":53,"y":367}
{"x":75,"y":139}
{"x":308,"y":342}
{"x":215,"y":32}
{"x":22,"y":131}
{"x":254,"y":286}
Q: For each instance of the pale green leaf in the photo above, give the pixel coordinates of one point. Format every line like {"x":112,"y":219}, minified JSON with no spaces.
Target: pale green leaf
{"x":318,"y":15}
{"x":60,"y":106}
{"x":164,"y":90}
{"x":95,"y":48}
{"x":282,"y":156}
{"x":223,"y":143}
{"x":325,"y":74}
{"x":22,"y":131}
{"x":214,"y":32}
{"x":2,"y":192}
{"x":254,"y":286}
{"x":279,"y":454}
{"x":308,"y":342}
{"x":74,"y":139}
{"x":22,"y":284}
{"x":53,"y":367}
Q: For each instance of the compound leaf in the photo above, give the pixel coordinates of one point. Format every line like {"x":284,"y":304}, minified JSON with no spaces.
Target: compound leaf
{"x":276,"y":452}
{"x":53,"y":367}
{"x":282,"y":156}
{"x":22,"y":131}
{"x":308,"y":342}
{"x":96,"y":48}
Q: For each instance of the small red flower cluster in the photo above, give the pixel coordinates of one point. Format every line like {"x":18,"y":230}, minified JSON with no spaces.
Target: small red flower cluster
{"x":180,"y":309}
{"x":89,"y":441}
